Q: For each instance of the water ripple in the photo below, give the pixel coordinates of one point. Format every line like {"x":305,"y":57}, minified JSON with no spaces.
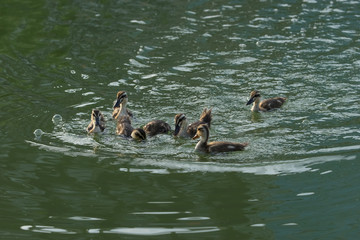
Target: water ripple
{"x":140,"y":231}
{"x":156,"y":231}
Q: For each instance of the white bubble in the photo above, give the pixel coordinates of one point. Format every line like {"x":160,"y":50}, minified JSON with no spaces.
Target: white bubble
{"x":38,"y":132}
{"x":56,"y":118}
{"x":84,"y":76}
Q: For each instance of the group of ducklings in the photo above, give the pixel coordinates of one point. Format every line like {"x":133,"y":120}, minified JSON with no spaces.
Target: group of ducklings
{"x":198,"y":129}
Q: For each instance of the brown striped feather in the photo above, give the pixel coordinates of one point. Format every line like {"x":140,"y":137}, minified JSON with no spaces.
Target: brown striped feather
{"x":156,"y":127}
{"x":272,"y":103}
{"x":123,"y":126}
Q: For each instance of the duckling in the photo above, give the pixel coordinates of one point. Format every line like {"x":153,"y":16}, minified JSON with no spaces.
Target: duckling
{"x":120,"y":105}
{"x":125,"y":129}
{"x":97,"y":123}
{"x":123,"y":126}
{"x":156,"y":127}
{"x":182,"y":129}
{"x":138,"y":134}
{"x":265,"y":105}
{"x":213,"y":147}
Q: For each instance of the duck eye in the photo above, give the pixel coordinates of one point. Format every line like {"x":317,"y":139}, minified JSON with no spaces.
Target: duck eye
{"x":182,"y":118}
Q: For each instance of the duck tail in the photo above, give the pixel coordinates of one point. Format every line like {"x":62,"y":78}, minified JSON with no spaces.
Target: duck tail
{"x":206,"y":116}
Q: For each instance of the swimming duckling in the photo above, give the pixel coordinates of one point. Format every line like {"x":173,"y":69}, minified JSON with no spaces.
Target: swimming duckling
{"x":138,"y":134}
{"x":265,"y":105}
{"x":123,"y":126}
{"x":120,"y":105}
{"x":97,"y":123}
{"x":182,"y":129}
{"x":212,"y":147}
{"x":156,"y":127}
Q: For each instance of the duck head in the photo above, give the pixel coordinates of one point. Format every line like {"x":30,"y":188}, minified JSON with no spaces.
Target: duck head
{"x":254,"y":96}
{"x":121,"y":98}
{"x":180,"y":119}
{"x":138,"y":134}
{"x":95,"y":116}
{"x":202,"y":131}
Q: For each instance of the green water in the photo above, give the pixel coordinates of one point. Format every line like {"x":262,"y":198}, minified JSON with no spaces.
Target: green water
{"x":298,"y":179}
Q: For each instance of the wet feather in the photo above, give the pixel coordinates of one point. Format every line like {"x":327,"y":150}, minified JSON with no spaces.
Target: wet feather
{"x":214,"y":147}
{"x":97,"y":123}
{"x":156,"y":127}
{"x":123,"y":126}
{"x":265,"y":105}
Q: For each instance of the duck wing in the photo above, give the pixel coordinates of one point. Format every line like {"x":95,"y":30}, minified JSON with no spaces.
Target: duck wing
{"x":89,"y":129}
{"x":272,"y":103}
{"x":206,"y":117}
{"x":117,"y":110}
{"x":226,"y":146}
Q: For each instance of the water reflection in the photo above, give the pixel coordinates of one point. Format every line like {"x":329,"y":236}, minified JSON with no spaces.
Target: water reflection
{"x":256,"y":117}
{"x":46,"y":229}
{"x":157,"y":230}
{"x":141,"y":231}
{"x":66,"y":58}
{"x":106,"y":203}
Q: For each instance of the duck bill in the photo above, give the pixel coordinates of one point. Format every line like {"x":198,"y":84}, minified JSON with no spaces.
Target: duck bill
{"x":177,"y":130}
{"x":97,"y":121}
{"x":118,"y":101}
{"x":251,"y":100}
{"x":196,"y":136}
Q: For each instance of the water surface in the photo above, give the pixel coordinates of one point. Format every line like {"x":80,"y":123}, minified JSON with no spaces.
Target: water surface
{"x":297,"y":178}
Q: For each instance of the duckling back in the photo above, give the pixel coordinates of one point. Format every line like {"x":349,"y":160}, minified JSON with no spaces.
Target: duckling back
{"x":156,"y":127}
{"x":226,"y":146}
{"x":123,"y":126}
{"x":272,"y":103}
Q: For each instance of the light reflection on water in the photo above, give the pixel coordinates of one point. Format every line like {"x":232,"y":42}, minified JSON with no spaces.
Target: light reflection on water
{"x":141,"y":231}
{"x":171,"y":58}
{"x":154,"y":231}
{"x":165,"y":166}
{"x":178,"y":154}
